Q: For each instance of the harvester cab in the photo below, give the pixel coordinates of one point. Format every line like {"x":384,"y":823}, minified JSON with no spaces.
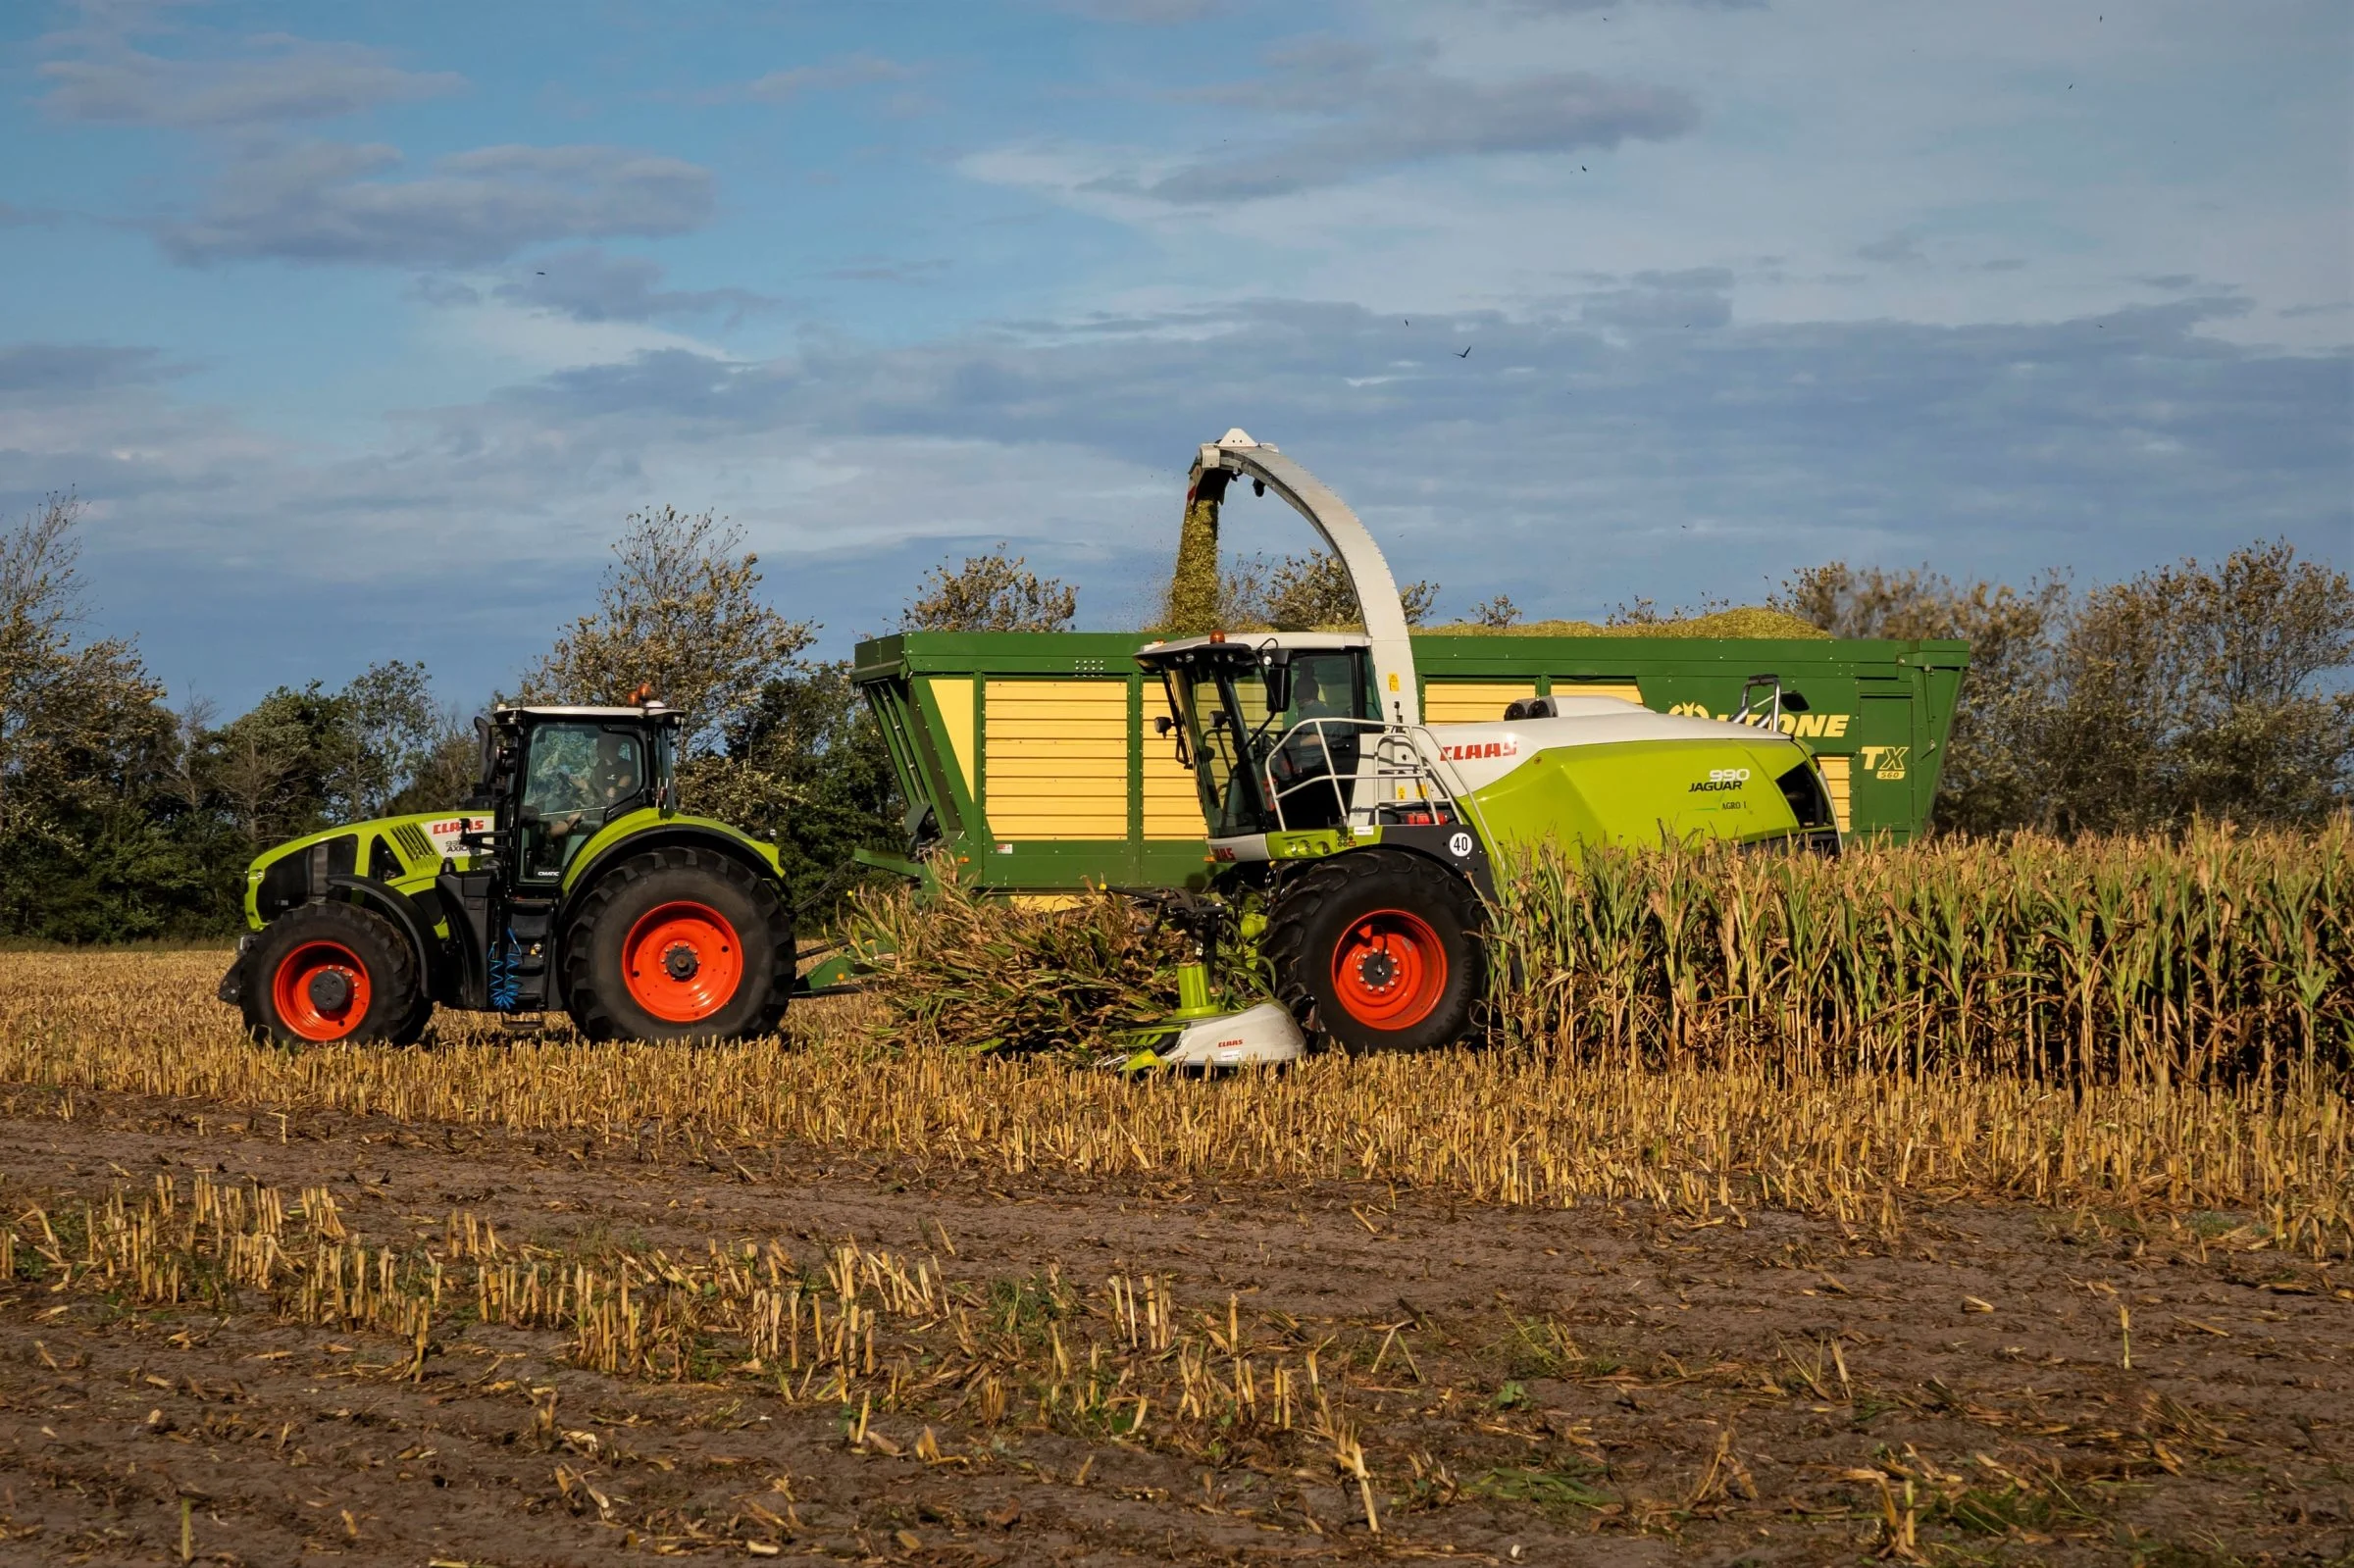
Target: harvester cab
{"x":567,"y":881}
{"x":1373,"y":842}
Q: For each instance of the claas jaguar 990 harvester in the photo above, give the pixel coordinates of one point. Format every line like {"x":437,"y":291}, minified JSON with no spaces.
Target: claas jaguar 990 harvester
{"x":1361,"y":849}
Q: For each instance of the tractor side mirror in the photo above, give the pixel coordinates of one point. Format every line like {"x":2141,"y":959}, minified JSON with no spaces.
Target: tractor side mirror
{"x":1792,"y":702}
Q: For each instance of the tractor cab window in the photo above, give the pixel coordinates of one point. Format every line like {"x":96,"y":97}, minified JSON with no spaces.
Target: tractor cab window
{"x":577,"y":778}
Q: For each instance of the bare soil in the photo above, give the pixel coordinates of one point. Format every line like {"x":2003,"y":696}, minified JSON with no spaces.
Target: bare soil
{"x":1593,"y":1386}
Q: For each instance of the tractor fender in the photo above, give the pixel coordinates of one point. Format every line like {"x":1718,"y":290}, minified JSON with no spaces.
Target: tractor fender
{"x":400,"y":909}
{"x":370,"y":894}
{"x":686,"y":835}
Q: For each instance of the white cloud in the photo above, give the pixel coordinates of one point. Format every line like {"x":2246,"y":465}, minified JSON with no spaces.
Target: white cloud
{"x":318,"y":201}
{"x":832,"y":76}
{"x":282,"y":79}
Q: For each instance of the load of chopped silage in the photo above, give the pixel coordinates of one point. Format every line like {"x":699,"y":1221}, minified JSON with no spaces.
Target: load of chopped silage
{"x":1744,"y":620}
{"x":986,"y":976}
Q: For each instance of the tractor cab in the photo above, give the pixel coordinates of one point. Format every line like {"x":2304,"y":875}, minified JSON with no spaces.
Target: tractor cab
{"x":553,"y":775}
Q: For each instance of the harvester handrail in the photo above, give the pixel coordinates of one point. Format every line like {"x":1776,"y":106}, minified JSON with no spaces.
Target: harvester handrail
{"x":1419,"y":766}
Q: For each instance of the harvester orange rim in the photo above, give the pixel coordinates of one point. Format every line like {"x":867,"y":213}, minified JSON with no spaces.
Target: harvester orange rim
{"x":1389,"y":969}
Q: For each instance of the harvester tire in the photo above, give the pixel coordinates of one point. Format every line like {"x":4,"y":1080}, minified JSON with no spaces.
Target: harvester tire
{"x":1378,"y":951}
{"x":333,"y":973}
{"x":678,"y":943}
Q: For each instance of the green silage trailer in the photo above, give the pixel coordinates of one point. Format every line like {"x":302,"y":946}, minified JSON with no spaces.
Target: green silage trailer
{"x":1037,"y":761}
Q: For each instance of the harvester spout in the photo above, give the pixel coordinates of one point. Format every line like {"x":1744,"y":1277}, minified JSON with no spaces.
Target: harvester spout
{"x":1370,"y":577}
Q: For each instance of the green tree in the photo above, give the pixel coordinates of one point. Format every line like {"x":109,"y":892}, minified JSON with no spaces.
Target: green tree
{"x":2186,"y":692}
{"x":92,"y":839}
{"x":992,"y":592}
{"x":806,"y":767}
{"x":303,"y":758}
{"x":772,"y":743}
{"x":2192,"y":691}
{"x":1994,"y":771}
{"x":392,"y":728}
{"x":446,"y":772}
{"x":680,"y":613}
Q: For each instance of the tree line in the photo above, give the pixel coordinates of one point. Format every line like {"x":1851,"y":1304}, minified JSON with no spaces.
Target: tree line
{"x":2189,"y":692}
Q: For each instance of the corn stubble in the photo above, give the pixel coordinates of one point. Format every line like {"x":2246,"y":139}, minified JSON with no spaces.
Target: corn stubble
{"x":2102,"y":1026}
{"x":2124,"y":1024}
{"x":846,"y":1327}
{"x":973,"y":974}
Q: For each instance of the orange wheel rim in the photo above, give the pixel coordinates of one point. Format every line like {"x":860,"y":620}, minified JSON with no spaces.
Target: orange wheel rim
{"x":320,"y":989}
{"x":1389,"y":969}
{"x":681,"y":962}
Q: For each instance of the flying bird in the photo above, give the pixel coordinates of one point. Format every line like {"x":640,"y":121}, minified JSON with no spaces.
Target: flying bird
{"x":1465,"y":354}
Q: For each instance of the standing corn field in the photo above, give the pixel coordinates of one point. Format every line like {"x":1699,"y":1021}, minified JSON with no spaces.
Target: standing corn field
{"x":2222,"y":957}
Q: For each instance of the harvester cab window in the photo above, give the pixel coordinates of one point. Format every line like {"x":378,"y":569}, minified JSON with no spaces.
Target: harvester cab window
{"x":1244,"y":738}
{"x":1324,"y":686}
{"x":1229,"y":719}
{"x":578,"y":777}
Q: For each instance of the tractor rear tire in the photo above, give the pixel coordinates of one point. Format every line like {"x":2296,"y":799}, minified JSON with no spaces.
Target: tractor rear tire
{"x":1379,"y":951}
{"x":333,"y":973}
{"x":678,"y":943}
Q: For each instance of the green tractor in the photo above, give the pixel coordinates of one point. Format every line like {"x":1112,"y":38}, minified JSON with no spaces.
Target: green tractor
{"x":1362,"y":848}
{"x":568,"y":881}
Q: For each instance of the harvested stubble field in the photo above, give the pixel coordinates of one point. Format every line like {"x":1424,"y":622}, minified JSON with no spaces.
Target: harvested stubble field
{"x":519,"y":1300}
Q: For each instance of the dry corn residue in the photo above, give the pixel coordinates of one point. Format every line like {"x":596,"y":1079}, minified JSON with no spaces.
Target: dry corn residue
{"x":513,"y":1297}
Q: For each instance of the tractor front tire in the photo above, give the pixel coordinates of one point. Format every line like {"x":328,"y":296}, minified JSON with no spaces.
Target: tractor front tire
{"x":678,"y":943}
{"x":1378,"y":951}
{"x":333,"y":973}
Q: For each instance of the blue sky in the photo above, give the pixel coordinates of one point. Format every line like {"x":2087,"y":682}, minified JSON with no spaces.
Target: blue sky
{"x":360,"y":328}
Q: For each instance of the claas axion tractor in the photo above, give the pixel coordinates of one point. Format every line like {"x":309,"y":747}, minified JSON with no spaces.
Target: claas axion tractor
{"x":569,"y":880}
{"x":1357,"y":849}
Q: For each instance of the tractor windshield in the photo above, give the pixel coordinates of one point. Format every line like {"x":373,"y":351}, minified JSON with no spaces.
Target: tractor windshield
{"x":577,"y":778}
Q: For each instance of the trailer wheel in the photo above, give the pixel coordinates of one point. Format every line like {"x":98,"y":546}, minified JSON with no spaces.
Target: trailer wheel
{"x":333,"y":972}
{"x":1378,"y":951}
{"x":678,"y":943}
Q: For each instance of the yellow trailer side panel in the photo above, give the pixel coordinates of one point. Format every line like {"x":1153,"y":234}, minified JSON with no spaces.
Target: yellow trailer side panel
{"x":1172,"y":808}
{"x":956,"y":699}
{"x":1470,"y":702}
{"x":1834,"y":778}
{"x":1057,"y":759}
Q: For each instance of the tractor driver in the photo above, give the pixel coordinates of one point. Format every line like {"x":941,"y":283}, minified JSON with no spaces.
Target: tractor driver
{"x":613,"y":778}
